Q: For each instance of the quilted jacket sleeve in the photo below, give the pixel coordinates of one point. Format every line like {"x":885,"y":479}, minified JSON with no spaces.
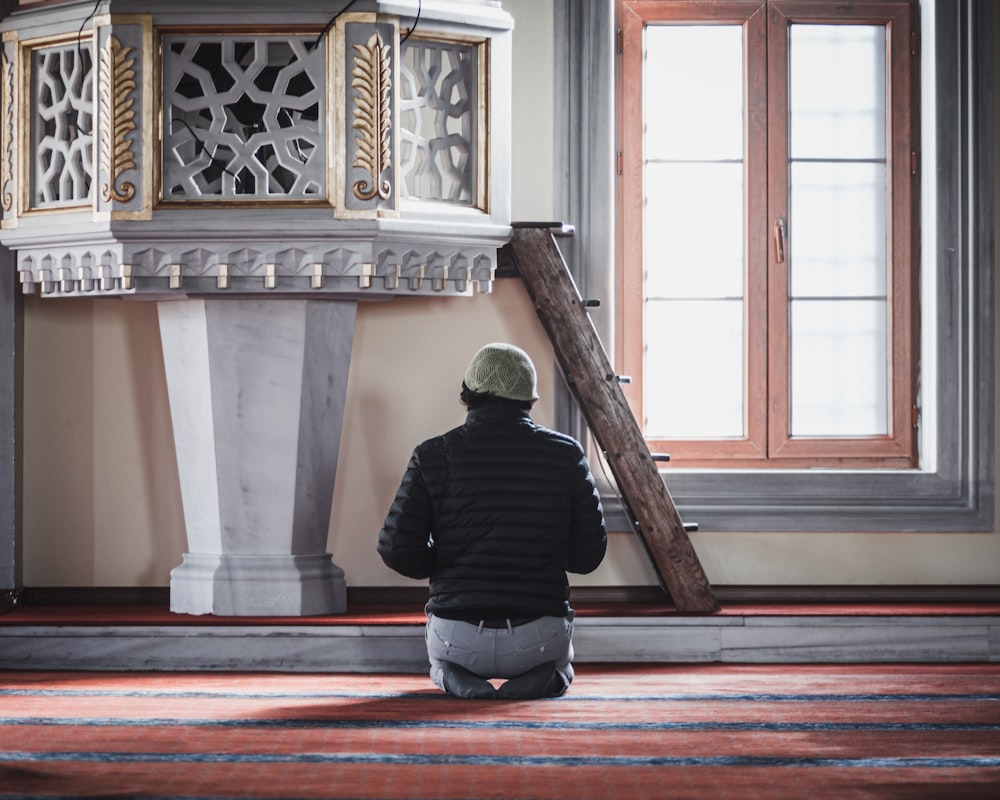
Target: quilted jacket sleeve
{"x":589,"y":541}
{"x":405,"y":542}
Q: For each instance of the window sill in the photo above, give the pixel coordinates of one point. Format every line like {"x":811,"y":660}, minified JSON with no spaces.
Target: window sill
{"x":822,"y":500}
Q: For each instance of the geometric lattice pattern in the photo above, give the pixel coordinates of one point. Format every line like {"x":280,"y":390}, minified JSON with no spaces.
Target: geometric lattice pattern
{"x":62,"y":123}
{"x":243,"y":118}
{"x":438,"y":103}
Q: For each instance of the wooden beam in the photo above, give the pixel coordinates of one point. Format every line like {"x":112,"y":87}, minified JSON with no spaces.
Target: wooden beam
{"x":593,"y":381}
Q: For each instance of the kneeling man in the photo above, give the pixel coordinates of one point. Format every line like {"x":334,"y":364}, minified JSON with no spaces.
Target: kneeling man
{"x":495,"y":513}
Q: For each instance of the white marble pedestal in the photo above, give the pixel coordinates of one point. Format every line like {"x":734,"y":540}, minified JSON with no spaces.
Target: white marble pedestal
{"x":257,"y":390}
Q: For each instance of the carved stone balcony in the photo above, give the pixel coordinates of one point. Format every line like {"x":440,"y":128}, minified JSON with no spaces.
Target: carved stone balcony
{"x":174,"y":151}
{"x":256,"y":169}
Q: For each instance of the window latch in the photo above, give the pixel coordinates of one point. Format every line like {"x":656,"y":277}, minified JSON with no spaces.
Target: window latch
{"x":779,"y":240}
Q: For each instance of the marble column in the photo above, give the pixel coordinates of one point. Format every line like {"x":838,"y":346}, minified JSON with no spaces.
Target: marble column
{"x":257,"y":390}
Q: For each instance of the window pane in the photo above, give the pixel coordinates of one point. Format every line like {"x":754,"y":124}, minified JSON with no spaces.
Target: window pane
{"x":693,"y":91}
{"x":693,"y":230}
{"x":693,"y":223}
{"x":735,"y":132}
{"x":838,"y":229}
{"x":693,"y":369}
{"x":837,"y":86}
{"x":839,"y":382}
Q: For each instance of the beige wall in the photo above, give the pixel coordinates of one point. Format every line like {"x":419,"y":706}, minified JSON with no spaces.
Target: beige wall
{"x":101,"y":499}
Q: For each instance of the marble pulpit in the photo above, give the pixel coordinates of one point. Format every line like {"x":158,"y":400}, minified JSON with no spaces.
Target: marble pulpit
{"x":256,"y":170}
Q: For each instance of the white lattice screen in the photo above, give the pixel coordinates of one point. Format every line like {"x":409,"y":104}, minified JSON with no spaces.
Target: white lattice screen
{"x":438,"y":101}
{"x":243,"y":118}
{"x":202,"y":151}
{"x":62,"y":168}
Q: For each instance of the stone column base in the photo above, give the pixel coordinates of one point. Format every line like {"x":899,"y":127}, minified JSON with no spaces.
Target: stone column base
{"x":258,"y":585}
{"x":257,"y":390}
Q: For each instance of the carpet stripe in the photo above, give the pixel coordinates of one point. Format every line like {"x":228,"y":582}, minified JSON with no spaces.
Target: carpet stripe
{"x":440,"y":759}
{"x":451,"y":709}
{"x":569,"y":698}
{"x":528,"y":725}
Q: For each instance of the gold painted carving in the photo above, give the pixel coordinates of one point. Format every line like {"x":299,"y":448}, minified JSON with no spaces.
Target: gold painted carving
{"x":117,"y":88}
{"x":7,"y":164}
{"x":371,"y":79}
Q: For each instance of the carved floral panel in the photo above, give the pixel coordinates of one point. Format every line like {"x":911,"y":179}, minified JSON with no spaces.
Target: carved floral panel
{"x":8,"y":128}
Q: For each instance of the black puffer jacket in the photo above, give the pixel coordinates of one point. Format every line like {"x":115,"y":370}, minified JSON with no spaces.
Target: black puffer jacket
{"x":495,"y":513}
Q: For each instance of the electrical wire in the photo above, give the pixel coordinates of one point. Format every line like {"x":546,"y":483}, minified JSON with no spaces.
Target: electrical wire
{"x":329,"y":25}
{"x":79,"y":52}
{"x":416,"y":21}
{"x":79,"y":33}
{"x":202,"y":148}
{"x":333,"y":19}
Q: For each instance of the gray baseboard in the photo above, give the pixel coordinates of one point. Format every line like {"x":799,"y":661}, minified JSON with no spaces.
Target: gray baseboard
{"x":757,"y":638}
{"x":934,"y":630}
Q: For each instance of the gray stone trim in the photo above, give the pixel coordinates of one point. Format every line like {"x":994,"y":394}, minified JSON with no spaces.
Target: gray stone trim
{"x":734,"y":637}
{"x":273,"y":264}
{"x":957,"y":492}
{"x":10,"y":425}
{"x":584,"y":155}
{"x":10,"y":409}
{"x":10,"y":413}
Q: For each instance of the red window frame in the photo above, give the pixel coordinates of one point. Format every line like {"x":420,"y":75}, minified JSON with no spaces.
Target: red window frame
{"x":767,"y":441}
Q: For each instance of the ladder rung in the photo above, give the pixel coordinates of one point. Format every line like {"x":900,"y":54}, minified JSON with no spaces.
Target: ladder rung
{"x":583,"y":360}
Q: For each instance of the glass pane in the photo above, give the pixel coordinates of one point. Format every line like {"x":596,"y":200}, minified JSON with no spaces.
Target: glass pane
{"x":693,"y":391}
{"x":837,"y":88}
{"x":693,"y":91}
{"x":838,"y":230}
{"x":693,"y":228}
{"x":839,"y":383}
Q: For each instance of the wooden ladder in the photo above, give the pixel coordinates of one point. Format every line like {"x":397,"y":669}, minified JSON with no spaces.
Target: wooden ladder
{"x":592,"y":380}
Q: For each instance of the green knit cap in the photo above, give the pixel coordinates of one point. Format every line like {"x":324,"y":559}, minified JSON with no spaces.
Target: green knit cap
{"x":502,"y":370}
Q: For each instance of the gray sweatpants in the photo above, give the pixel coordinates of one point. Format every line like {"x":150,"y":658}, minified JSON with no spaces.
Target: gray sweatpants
{"x":500,"y":652}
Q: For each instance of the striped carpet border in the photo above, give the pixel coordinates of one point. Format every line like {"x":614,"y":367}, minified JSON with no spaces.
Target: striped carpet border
{"x":525,"y":725}
{"x":435,"y":696}
{"x":446,"y":759}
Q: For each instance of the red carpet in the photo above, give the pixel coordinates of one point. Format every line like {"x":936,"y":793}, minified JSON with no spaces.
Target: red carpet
{"x":677,"y":731}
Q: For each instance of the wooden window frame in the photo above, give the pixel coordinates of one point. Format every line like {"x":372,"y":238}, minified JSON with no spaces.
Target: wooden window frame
{"x":766,"y":441}
{"x":953,"y":490}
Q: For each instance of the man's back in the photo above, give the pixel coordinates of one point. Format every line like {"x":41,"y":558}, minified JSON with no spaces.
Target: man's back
{"x":511,"y":506}
{"x":495,"y":513}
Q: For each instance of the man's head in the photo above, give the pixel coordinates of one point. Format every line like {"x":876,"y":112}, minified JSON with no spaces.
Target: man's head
{"x":503,"y":371}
